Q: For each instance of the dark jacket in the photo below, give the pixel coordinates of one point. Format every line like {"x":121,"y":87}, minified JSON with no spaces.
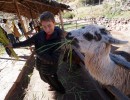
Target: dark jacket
{"x":46,"y":50}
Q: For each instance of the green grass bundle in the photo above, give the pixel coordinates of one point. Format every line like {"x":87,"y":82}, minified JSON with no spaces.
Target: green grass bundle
{"x":5,"y":41}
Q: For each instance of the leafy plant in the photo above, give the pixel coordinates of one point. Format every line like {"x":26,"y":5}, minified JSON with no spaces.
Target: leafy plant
{"x":5,"y":41}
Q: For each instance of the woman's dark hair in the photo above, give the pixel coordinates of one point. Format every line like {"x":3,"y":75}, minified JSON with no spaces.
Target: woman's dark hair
{"x":47,"y":16}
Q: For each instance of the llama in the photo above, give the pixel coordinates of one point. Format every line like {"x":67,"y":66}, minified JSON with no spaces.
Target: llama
{"x":107,"y":68}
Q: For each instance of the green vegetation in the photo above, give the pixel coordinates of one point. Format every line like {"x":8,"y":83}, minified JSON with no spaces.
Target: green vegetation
{"x":5,"y":41}
{"x":69,"y":15}
{"x":114,"y":11}
{"x":1,"y":50}
{"x":108,"y":9}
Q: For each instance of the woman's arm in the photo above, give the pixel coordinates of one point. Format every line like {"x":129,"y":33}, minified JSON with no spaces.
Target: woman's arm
{"x":25,"y":43}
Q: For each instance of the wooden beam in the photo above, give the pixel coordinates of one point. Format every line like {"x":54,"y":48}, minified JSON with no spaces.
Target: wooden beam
{"x":28,"y":7}
{"x":22,"y":5}
{"x":5,"y":2}
{"x":78,"y":53}
{"x":118,"y":94}
{"x":19,"y":16}
{"x":61,"y":20}
{"x":1,"y":6}
{"x":37,"y":8}
{"x":30,"y":10}
{"x":18,"y":13}
{"x":42,"y":3}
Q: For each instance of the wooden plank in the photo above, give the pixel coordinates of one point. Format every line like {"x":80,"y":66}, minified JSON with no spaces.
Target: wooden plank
{"x":28,"y":7}
{"x":19,"y":16}
{"x":49,"y":6}
{"x":61,"y":20}
{"x":118,"y":94}
{"x":78,"y":53}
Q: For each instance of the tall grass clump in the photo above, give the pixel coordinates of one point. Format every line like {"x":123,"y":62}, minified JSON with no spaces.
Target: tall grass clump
{"x":4,"y":41}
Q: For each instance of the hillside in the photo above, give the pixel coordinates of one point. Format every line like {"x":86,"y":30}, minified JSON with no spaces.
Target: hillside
{"x":82,"y":9}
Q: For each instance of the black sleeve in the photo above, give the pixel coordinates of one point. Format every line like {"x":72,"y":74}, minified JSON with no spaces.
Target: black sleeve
{"x":25,"y":43}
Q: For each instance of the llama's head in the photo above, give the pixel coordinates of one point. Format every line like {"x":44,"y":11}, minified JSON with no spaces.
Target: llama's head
{"x":93,"y":38}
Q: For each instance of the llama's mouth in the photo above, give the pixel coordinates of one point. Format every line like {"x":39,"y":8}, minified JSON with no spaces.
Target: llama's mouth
{"x":74,"y":40}
{"x":68,"y":36}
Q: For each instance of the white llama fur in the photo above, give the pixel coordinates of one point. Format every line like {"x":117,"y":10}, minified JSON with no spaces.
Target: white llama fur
{"x":97,"y":58}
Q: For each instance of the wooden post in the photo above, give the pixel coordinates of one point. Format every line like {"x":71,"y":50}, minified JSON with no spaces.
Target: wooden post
{"x":19,"y":16}
{"x":32,"y":20}
{"x":61,"y":20}
{"x":117,"y":93}
{"x":32,"y":17}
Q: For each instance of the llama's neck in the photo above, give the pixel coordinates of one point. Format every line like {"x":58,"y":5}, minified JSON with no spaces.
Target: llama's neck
{"x":97,"y":60}
{"x":99,"y":56}
{"x":99,"y":64}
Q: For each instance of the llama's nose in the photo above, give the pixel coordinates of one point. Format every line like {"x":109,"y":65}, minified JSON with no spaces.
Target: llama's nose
{"x":68,"y":36}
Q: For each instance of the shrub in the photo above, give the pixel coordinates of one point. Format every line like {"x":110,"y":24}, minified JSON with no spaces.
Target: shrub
{"x":69,"y":15}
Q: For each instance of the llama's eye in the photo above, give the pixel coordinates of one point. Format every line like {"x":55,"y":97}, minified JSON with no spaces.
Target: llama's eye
{"x":83,"y":27}
{"x":88,"y":36}
{"x":97,"y":36}
{"x":103,"y":31}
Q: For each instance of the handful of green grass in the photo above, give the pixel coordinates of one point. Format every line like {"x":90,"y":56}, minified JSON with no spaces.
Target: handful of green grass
{"x":5,"y":41}
{"x":62,"y":43}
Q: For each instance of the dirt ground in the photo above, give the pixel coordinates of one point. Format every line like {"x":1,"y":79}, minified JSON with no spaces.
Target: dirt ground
{"x":37,"y":89}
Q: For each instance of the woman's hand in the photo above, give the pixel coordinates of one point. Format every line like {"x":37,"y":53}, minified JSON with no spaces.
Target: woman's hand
{"x":9,"y":45}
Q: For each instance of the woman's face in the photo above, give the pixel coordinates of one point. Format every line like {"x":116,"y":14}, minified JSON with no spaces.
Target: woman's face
{"x":48,"y":26}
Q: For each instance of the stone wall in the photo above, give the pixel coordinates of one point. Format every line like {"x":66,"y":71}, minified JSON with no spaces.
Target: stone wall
{"x":111,"y":24}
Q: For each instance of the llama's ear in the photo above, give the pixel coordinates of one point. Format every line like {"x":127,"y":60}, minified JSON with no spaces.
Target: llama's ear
{"x":120,"y":61}
{"x":111,"y":40}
